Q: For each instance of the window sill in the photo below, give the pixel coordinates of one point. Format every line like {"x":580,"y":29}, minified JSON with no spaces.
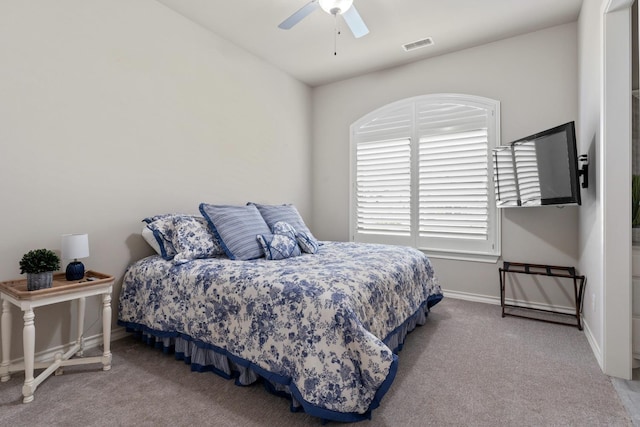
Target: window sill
{"x":462,"y":256}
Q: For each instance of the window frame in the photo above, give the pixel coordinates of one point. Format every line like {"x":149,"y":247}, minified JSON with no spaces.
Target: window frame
{"x":492,"y":248}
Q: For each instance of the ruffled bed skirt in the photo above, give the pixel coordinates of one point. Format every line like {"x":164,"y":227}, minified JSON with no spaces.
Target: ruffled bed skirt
{"x":205,"y":357}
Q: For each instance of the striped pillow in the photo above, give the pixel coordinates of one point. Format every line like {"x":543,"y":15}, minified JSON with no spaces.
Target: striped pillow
{"x":236,"y":228}
{"x":286,"y":213}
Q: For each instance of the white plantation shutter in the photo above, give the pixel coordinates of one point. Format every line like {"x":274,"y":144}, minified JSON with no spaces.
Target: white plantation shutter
{"x":454,"y":200}
{"x":384,"y":187}
{"x":505,"y":176}
{"x":528,"y":179}
{"x":383,"y":177}
{"x":421,"y":175}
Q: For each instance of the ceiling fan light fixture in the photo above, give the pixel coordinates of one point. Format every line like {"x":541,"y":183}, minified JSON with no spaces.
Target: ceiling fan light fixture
{"x":335,"y":7}
{"x":345,"y":8}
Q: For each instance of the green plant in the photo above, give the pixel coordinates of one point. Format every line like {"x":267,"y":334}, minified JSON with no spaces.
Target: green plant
{"x":635,"y":201}
{"x":39,"y":261}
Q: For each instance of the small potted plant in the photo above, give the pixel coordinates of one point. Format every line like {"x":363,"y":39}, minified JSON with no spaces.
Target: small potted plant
{"x":39,"y":264}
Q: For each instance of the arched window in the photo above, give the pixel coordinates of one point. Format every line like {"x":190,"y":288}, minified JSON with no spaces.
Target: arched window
{"x":421,"y":175}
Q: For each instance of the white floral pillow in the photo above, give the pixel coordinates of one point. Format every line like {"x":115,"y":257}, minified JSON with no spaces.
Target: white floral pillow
{"x":185,"y":236}
{"x":307,"y":243}
{"x":153,"y":218}
{"x":162,"y":228}
{"x":284,"y":228}
{"x":281,"y":244}
{"x":192,"y":239}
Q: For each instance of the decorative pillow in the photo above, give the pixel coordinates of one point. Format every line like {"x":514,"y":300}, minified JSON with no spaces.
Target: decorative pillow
{"x":148,"y":237}
{"x":287,"y":213}
{"x":192,"y":239}
{"x":281,"y":244}
{"x":161,"y":232}
{"x":278,"y":246}
{"x":284,"y":228}
{"x":150,"y":219}
{"x":236,"y":228}
{"x":162,"y":229}
{"x":308,"y":244}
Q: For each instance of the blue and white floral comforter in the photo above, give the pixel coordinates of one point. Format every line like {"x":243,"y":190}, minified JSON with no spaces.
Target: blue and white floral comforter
{"x":318,"y":326}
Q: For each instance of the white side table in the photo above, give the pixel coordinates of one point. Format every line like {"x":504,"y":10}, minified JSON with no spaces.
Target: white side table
{"x":15,"y":292}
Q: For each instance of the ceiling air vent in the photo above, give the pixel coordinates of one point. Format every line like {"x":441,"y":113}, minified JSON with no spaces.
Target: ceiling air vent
{"x":417,"y":44}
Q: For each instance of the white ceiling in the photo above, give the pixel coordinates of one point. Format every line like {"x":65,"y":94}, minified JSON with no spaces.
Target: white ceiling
{"x":307,"y":50}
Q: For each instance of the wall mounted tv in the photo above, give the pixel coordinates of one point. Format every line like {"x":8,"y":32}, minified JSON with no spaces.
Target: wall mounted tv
{"x":538,"y":170}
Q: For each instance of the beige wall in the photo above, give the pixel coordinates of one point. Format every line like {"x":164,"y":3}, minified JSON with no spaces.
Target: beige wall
{"x":591,"y":251}
{"x":534,"y":78}
{"x":112,"y":110}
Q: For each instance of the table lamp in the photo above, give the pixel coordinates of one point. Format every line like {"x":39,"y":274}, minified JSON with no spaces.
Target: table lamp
{"x":75,"y":246}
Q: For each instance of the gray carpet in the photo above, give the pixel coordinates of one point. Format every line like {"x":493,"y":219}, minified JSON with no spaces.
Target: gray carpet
{"x":629,"y":392}
{"x":466,"y":367}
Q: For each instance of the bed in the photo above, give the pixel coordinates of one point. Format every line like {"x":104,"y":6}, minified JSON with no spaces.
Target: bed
{"x":322,"y":329}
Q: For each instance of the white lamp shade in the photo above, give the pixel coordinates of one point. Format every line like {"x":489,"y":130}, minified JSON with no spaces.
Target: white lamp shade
{"x":75,"y":246}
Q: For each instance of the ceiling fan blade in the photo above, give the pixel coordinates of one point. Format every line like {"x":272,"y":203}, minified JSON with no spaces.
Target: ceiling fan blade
{"x":299,"y":15}
{"x":355,"y":22}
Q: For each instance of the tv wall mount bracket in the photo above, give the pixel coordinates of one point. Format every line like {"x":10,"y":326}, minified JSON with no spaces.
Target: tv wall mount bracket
{"x":584,"y":170}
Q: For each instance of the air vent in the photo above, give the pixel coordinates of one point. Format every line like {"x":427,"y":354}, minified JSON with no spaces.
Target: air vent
{"x":417,"y":44}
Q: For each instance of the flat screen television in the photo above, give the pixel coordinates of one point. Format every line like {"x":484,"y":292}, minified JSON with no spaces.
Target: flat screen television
{"x":538,"y":170}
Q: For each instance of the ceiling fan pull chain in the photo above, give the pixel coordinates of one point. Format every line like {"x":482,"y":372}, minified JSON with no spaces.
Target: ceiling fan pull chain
{"x":335,"y":35}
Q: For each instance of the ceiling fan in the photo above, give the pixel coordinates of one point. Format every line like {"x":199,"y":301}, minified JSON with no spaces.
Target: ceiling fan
{"x":332,"y":7}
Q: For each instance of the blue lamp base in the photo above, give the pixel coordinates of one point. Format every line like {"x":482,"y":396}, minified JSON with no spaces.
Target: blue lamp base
{"x":75,"y":270}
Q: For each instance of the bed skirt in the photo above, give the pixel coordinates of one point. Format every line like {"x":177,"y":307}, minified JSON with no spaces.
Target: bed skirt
{"x":205,"y":357}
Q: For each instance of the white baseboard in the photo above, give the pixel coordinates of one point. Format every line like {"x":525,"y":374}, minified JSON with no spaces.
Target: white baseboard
{"x":471,"y":297}
{"x":496,"y":301}
{"x":593,"y":343}
{"x":89,"y":343}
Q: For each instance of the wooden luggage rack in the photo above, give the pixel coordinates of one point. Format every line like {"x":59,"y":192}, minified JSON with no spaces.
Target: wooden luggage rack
{"x":543,"y":270}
